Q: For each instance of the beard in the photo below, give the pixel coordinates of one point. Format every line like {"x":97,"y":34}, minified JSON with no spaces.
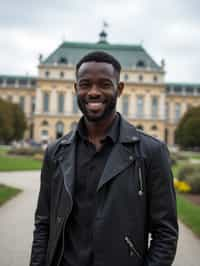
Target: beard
{"x":110,"y":107}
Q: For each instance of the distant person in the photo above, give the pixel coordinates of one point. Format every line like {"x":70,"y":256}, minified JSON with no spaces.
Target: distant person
{"x":105,"y":187}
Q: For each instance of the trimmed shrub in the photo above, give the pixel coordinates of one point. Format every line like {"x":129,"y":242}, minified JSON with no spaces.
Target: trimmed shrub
{"x":190,"y":174}
{"x":26,"y":151}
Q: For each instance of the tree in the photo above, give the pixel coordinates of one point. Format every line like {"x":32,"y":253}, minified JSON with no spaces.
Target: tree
{"x":187,"y":134}
{"x":12,"y":122}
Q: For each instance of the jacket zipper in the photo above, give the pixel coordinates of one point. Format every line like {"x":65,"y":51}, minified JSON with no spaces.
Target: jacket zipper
{"x":132,"y":247}
{"x":141,"y":191}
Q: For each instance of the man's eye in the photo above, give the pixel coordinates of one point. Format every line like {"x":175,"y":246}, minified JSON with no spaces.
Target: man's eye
{"x":106,"y":85}
{"x":84,"y":85}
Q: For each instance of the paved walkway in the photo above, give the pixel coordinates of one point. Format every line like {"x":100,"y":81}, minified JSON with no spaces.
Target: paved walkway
{"x":16,"y":225}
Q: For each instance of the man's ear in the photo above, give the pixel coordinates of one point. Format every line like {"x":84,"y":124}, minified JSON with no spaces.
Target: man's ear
{"x":75,"y":87}
{"x":120,"y":88}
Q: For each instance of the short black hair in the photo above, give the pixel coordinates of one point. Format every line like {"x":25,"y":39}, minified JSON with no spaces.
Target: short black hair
{"x":101,"y":57}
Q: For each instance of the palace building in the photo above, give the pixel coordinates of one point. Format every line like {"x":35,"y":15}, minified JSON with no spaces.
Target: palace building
{"x":148,"y":102}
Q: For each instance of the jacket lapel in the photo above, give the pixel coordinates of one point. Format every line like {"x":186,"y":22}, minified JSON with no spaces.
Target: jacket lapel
{"x":120,"y":158}
{"x":122,"y":154}
{"x":66,"y":154}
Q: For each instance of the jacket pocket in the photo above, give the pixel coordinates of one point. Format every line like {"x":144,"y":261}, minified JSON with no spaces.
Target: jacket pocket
{"x":132,"y":249}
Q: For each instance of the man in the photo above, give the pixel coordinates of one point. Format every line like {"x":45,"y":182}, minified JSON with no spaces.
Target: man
{"x":105,"y":187}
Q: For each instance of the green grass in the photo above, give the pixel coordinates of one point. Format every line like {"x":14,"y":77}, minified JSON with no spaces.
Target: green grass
{"x":7,"y":193}
{"x":8,"y":163}
{"x":189,"y":213}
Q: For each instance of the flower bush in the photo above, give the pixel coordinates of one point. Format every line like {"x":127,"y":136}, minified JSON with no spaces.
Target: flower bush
{"x":182,"y":186}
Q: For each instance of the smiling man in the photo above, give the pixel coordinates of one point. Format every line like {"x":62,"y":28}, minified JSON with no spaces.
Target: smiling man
{"x":105,"y":187}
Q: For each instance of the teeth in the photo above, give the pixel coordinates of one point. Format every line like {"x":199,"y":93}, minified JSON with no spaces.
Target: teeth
{"x":95,"y":105}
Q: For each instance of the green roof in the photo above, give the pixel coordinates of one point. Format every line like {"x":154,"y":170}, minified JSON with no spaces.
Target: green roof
{"x":128,"y":55}
{"x":182,"y":84}
{"x":17,"y":77}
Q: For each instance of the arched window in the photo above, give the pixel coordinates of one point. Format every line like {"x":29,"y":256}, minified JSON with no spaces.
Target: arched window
{"x":154,"y":127}
{"x":59,"y":129}
{"x":140,"y":78}
{"x":62,"y":74}
{"x":47,"y":74}
{"x":125,"y":77}
{"x":141,"y":64}
{"x":155,"y":78}
{"x":44,"y":123}
{"x":140,"y":127}
{"x":63,"y":60}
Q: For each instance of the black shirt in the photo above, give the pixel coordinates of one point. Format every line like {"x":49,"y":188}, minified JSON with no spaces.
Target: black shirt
{"x":90,"y":164}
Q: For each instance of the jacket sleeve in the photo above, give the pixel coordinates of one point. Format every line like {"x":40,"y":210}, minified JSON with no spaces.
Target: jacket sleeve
{"x":41,"y":231}
{"x":162,"y":209}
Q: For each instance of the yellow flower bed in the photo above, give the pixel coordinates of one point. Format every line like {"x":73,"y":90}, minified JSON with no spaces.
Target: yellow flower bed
{"x":181,"y":186}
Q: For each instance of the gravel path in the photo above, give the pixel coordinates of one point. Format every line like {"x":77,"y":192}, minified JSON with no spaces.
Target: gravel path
{"x":16,"y":225}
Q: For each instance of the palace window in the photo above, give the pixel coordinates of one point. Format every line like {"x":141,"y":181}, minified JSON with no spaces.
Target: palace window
{"x":125,"y":104}
{"x":155,"y":78}
{"x":125,"y":77}
{"x":167,"y":110}
{"x":75,"y":108}
{"x":32,"y":104}
{"x":22,"y":102}
{"x":177,"y":112}
{"x":63,"y":60}
{"x":140,"y":127}
{"x":45,"y":123}
{"x":46,"y":102}
{"x":189,"y":90}
{"x":47,"y":74}
{"x":10,"y":98}
{"x":141,"y":64}
{"x":59,"y":129}
{"x":61,"y":103}
{"x":154,"y":127}
{"x":140,"y":107}
{"x":10,"y":81}
{"x":44,"y":133}
{"x":140,"y":78}
{"x":23,"y":82}
{"x":154,"y":107}
{"x":62,"y":74}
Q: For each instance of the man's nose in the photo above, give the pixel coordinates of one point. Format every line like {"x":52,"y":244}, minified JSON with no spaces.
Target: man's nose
{"x":94,"y":91}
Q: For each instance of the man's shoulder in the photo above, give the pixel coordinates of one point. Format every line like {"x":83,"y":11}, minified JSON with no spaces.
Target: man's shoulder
{"x":151,"y":145}
{"x":54,"y":146}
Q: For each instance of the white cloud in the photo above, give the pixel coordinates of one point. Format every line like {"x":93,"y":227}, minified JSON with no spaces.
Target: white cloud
{"x":168,"y":29}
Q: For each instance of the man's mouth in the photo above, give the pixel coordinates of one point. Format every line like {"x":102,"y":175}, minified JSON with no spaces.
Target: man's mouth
{"x":94,"y":106}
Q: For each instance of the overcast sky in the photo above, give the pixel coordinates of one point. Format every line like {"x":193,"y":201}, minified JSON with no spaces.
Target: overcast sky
{"x":167,"y":29}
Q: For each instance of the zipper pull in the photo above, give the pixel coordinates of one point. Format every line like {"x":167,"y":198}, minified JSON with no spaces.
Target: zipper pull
{"x":140,"y":192}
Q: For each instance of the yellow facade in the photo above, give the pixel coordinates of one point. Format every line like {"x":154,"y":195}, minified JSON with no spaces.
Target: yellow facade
{"x":147,"y":101}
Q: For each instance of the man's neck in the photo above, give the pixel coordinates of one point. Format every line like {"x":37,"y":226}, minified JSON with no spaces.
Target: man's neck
{"x":97,"y":130}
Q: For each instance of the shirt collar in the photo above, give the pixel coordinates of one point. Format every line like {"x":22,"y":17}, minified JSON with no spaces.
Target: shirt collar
{"x":112,"y":132}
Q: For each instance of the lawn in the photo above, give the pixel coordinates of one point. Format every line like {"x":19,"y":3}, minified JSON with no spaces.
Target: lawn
{"x":189,"y":213}
{"x":7,"y":193}
{"x":8,"y":163}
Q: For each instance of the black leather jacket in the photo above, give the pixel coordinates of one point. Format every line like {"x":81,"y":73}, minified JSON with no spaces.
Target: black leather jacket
{"x":136,"y":199}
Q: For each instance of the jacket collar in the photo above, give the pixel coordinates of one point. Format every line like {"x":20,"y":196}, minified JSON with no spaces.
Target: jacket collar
{"x":128,"y":134}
